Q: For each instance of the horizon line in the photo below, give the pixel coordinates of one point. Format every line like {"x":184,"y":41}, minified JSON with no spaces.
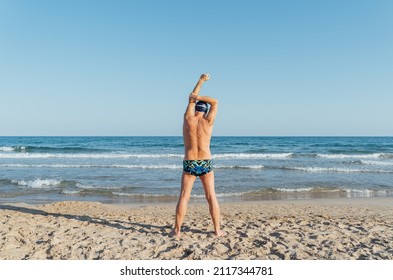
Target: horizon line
{"x":275,"y":136}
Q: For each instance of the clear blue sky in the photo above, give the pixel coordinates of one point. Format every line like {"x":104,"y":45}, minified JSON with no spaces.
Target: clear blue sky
{"x":81,"y":67}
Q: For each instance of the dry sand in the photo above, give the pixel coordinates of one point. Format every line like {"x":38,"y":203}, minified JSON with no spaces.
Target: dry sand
{"x":311,"y":229}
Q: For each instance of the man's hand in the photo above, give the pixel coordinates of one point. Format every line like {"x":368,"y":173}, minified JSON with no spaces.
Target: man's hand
{"x":204,"y":77}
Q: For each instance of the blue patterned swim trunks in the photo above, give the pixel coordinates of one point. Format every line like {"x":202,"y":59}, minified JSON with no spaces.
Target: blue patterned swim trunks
{"x":198,"y":167}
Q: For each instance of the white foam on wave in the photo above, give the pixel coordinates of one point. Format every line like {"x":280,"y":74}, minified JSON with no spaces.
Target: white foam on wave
{"x":18,"y":165}
{"x":145,"y":195}
{"x":37,"y":183}
{"x":6,"y":149}
{"x":12,"y":149}
{"x":374,"y":162}
{"x":343,"y":156}
{"x":148,"y":166}
{"x":294,"y":190}
{"x":122,"y":194}
{"x":70,"y":192}
{"x":125,"y":156}
{"x":267,"y":191}
{"x":239,"y":167}
{"x":91,"y":156}
{"x":90,"y":187}
{"x":253,"y":156}
{"x":127,"y":166}
{"x":335,"y":169}
{"x":81,"y":186}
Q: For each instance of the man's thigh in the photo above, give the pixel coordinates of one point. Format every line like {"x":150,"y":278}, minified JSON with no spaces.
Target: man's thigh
{"x":208,"y":182}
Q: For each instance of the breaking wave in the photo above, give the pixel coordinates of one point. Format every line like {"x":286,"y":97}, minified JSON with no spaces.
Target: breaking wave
{"x":336,"y":169}
{"x":37,"y":183}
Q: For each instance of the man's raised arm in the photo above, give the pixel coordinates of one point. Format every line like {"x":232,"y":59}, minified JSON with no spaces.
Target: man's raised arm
{"x":202,"y":79}
{"x":195,"y":92}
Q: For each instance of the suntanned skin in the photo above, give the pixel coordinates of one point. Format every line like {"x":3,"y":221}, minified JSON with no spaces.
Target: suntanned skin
{"x":197,"y":132}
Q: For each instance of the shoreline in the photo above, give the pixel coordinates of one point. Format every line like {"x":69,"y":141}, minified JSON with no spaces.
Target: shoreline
{"x":357,"y":228}
{"x":275,"y":197}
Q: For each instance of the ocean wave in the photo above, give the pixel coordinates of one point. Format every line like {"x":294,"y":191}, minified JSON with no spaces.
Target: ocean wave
{"x":125,"y":156}
{"x":335,"y":169}
{"x":6,"y":154}
{"x":239,"y":167}
{"x":6,"y":149}
{"x":310,"y":190}
{"x":18,"y":165}
{"x":283,"y":193}
{"x":144,"y":195}
{"x":219,"y":166}
{"x":356,"y":156}
{"x":374,"y":162}
{"x":273,"y":191}
{"x":253,"y":156}
{"x":146,"y":166}
{"x":87,"y":187}
{"x":85,"y":156}
{"x":12,"y":149}
{"x":126,"y":166}
{"x":37,"y":183}
{"x":132,"y":192}
{"x":95,"y":187}
{"x":353,"y":162}
{"x":43,"y":149}
{"x":70,"y":192}
{"x":294,"y":190}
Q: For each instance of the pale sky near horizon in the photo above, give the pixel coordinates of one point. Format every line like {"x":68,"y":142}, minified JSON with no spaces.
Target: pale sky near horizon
{"x":278,"y":68}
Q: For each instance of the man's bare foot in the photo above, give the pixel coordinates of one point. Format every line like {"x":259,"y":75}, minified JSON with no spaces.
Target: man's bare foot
{"x":220,"y":233}
{"x":174,"y":234}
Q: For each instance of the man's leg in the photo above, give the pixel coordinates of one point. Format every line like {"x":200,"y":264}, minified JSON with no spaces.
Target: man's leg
{"x":187,"y":182}
{"x":210,"y":194}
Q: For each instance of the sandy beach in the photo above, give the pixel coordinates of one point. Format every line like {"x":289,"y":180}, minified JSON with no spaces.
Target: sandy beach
{"x":308,"y":229}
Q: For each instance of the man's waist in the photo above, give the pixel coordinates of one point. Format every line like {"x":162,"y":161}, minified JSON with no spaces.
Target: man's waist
{"x":191,"y":155}
{"x":204,"y":159}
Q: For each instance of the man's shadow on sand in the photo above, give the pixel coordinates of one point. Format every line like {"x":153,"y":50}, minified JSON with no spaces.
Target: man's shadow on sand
{"x":118,"y":224}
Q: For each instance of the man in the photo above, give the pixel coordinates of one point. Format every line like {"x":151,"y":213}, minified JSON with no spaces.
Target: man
{"x":197,"y":131}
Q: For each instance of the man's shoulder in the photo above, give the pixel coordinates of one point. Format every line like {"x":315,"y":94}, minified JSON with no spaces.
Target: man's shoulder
{"x":208,"y":121}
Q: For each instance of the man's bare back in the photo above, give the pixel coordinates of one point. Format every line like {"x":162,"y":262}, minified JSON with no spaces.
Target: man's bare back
{"x":197,"y":132}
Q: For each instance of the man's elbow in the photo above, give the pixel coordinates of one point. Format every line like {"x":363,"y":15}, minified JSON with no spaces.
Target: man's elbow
{"x":214,"y":102}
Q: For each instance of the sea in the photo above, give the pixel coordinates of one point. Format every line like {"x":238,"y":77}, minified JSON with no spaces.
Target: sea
{"x":147,"y":170}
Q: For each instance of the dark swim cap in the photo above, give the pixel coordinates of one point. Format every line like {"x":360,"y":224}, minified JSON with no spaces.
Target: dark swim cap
{"x":201,"y":107}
